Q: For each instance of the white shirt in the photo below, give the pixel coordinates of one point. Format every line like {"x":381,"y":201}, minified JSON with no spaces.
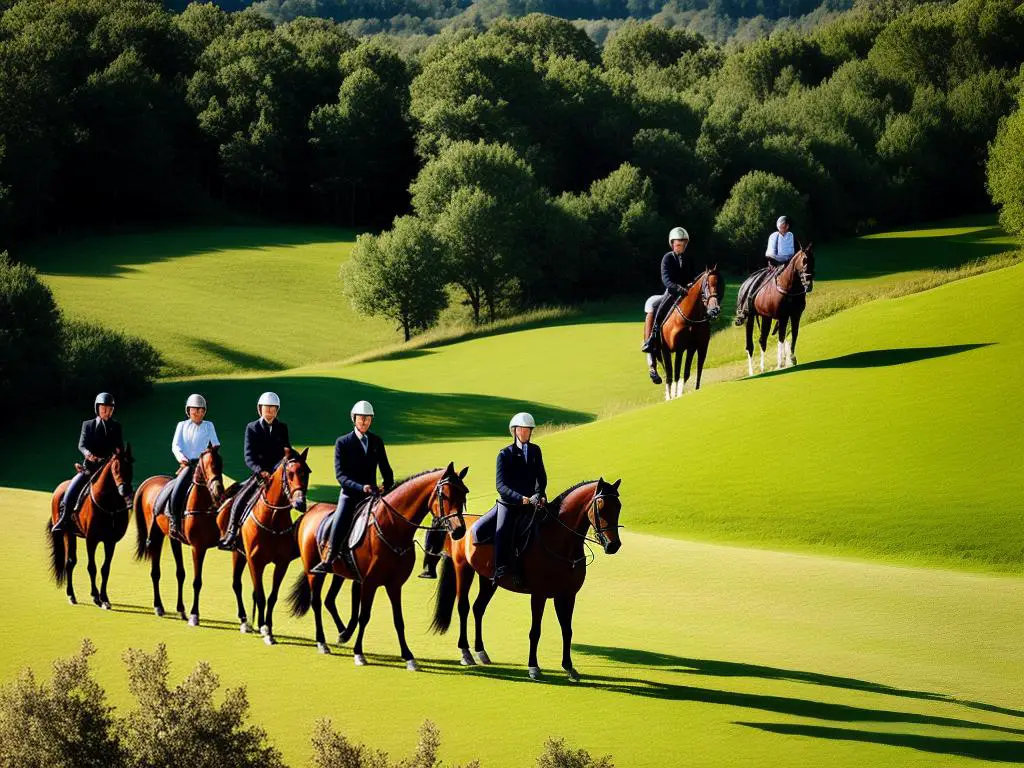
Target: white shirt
{"x":364,"y":439}
{"x":780,"y":246}
{"x":191,"y":439}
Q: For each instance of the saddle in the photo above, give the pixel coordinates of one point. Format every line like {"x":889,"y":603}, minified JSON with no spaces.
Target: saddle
{"x":76,"y":504}
{"x":752,"y":285}
{"x":524,"y":529}
{"x":356,"y":534}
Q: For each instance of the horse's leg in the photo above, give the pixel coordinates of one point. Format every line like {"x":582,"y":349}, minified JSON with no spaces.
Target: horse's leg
{"x":259,"y":597}
{"x":537,"y":605}
{"x":365,"y":604}
{"x":702,"y":353}
{"x":750,"y":342}
{"x":783,"y":323}
{"x":353,"y":617}
{"x":179,"y":573}
{"x":678,"y":363}
{"x":686,"y":368}
{"x":90,"y":566}
{"x":71,"y":548}
{"x":394,"y":590}
{"x":198,"y":557}
{"x":483,"y":597}
{"x":280,"y":568}
{"x":316,"y":586}
{"x":332,"y":607}
{"x":156,"y":548}
{"x":563,"y":608}
{"x":666,"y":361}
{"x":108,"y":557}
{"x":463,"y":582}
{"x":792,"y":343}
{"x":766,"y":331}
{"x":237,"y":566}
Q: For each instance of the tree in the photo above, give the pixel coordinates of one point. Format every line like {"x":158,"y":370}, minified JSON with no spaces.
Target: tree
{"x":29,"y":334}
{"x":748,"y":216}
{"x":399,"y":275}
{"x":1006,"y":172}
{"x":636,"y":46}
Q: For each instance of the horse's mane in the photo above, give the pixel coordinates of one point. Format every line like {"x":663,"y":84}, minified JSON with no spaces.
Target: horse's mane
{"x":413,"y":477}
{"x":560,"y":498}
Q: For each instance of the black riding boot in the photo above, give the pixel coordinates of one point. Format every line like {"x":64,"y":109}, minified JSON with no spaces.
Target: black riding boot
{"x":58,"y":527}
{"x":230,"y":540}
{"x":338,"y":530}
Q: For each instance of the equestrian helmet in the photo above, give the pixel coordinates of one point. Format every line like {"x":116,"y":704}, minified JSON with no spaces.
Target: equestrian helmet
{"x":103,"y":398}
{"x":678,"y":233}
{"x":194,"y":401}
{"x":521,"y":419}
{"x":362,"y":408}
{"x":268,"y":398}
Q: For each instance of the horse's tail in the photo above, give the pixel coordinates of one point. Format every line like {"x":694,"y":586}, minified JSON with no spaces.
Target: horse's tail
{"x":142,"y":550}
{"x":301,"y":596}
{"x":58,"y":555}
{"x":445,"y":603}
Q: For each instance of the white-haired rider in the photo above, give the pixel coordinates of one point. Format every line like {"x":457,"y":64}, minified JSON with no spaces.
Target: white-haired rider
{"x":781,"y":244}
{"x":677,"y":275}
{"x":265,"y":441}
{"x":357,"y":457}
{"x":191,"y":437}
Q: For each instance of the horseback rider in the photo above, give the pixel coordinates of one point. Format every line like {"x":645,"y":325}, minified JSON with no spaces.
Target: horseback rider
{"x":781,"y":248}
{"x":357,"y":457}
{"x":521,"y":481}
{"x":191,"y":437}
{"x":265,"y":441}
{"x":677,"y":275}
{"x":99,"y":439}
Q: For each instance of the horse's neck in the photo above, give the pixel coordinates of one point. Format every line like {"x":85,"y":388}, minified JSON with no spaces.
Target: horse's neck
{"x":787,"y":277}
{"x":199,"y":495}
{"x":573,"y":514}
{"x":103,"y":482}
{"x":691,"y":302}
{"x":410,"y":501}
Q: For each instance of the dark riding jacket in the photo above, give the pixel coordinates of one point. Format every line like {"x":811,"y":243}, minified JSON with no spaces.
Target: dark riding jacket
{"x":516,"y":478}
{"x":100,"y":439}
{"x":677,"y":272}
{"x":355,"y":468}
{"x":265,"y":444}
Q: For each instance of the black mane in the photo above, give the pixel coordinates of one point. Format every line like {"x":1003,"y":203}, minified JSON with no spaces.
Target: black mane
{"x":418,"y":474}
{"x":557,"y":503}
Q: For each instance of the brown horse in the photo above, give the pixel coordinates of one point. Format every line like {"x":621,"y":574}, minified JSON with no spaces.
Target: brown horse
{"x":782,"y":298}
{"x":688,"y":329}
{"x":554,"y":566}
{"x":268,"y":536}
{"x":198,"y":528}
{"x":103,"y":517}
{"x":385,"y":557}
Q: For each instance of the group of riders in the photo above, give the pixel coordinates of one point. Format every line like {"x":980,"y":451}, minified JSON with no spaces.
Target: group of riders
{"x":359,"y":455}
{"x":678,"y":274}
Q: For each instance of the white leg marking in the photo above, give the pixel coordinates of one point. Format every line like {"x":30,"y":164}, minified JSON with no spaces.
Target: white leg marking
{"x":750,"y":363}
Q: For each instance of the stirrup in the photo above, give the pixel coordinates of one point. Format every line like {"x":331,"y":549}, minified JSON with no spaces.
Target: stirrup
{"x":653,"y":373}
{"x":649,"y":345}
{"x":229,"y":542}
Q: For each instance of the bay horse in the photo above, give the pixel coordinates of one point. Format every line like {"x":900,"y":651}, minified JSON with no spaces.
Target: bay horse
{"x":554,"y":566}
{"x":103,"y":518}
{"x":198,"y":528}
{"x":268,"y":537}
{"x":782,"y":298}
{"x":688,"y":329}
{"x":386,"y":556}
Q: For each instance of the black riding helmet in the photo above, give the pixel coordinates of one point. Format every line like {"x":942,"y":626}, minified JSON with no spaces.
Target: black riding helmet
{"x":103,"y":398}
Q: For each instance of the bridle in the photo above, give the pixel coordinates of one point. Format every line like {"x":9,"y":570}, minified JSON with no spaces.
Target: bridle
{"x":199,"y":477}
{"x":124,"y":492}
{"x":593,"y":518}
{"x":805,"y":276}
{"x":445,"y":519}
{"x":288,"y":494}
{"x":705,"y":297}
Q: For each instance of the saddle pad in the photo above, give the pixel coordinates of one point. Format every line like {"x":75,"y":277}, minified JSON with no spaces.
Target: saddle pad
{"x":162,"y":498}
{"x":359,"y":523}
{"x":483,"y":529}
{"x":77,"y":503}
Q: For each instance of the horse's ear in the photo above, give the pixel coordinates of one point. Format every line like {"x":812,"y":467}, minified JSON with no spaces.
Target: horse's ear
{"x":211,"y":447}
{"x":616,"y":484}
{"x":463,"y":473}
{"x":117,"y":451}
{"x":287,"y":451}
{"x":600,"y":481}
{"x":715,"y":267}
{"x":450,"y":469}
{"x":304,"y":454}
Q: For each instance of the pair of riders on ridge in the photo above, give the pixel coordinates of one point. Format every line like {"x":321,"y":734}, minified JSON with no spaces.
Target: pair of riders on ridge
{"x":520,"y":476}
{"x":678,"y":274}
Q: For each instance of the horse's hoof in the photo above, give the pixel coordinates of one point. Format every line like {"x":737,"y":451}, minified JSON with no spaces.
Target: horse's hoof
{"x":97,"y":602}
{"x":342,"y":638}
{"x":245,"y":627}
{"x":158,"y":611}
{"x":467,"y":659}
{"x":105,"y":605}
{"x":411,"y":665}
{"x":323,"y":648}
{"x":193,"y":620}
{"x":72,"y":600}
{"x":574,"y":676}
{"x":534,"y":673}
{"x":265,"y":630}
{"x":359,"y":660}
{"x":483,"y":658}
{"x":269,"y":640}
{"x":182,"y":616}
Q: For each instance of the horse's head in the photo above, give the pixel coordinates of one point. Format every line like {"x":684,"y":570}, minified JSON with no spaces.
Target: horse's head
{"x":210,"y":472}
{"x":122,"y":470}
{"x":603,"y":514}
{"x":805,"y":266}
{"x":448,"y":501}
{"x":295,"y":478}
{"x":712,"y":290}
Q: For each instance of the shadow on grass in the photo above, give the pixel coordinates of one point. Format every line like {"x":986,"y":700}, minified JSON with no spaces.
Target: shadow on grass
{"x":236,"y":357}
{"x":998,"y":751}
{"x":881,"y":358}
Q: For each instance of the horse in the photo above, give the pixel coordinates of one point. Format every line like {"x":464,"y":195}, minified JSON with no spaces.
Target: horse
{"x":554,"y":565}
{"x":385,"y":556}
{"x":688,"y":329}
{"x":268,"y":536}
{"x":779,"y":298}
{"x":198,"y":528}
{"x":103,"y":517}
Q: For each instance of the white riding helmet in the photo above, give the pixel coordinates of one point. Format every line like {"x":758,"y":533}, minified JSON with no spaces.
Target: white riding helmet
{"x":521,"y":419}
{"x":362,"y":408}
{"x":194,"y":401}
{"x":678,"y":233}
{"x":268,"y":398}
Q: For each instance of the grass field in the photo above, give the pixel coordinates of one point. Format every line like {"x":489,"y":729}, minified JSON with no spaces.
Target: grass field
{"x":897,"y":438}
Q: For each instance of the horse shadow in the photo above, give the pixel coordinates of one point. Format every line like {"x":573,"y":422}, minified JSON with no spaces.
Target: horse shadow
{"x":882,"y":358}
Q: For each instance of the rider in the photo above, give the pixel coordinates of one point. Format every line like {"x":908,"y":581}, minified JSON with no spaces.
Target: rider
{"x":100,"y":437}
{"x":781,"y":248}
{"x":191,"y":438}
{"x":357,"y":456}
{"x":265,"y":442}
{"x":677,"y":274}
{"x":521,"y":480}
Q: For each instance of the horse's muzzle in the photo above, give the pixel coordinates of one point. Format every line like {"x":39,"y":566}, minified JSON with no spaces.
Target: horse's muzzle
{"x":299,"y":502}
{"x":458,"y":533}
{"x":612,"y":547}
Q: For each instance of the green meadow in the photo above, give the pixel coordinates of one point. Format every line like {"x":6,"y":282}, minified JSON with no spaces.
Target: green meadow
{"x":820,"y":564}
